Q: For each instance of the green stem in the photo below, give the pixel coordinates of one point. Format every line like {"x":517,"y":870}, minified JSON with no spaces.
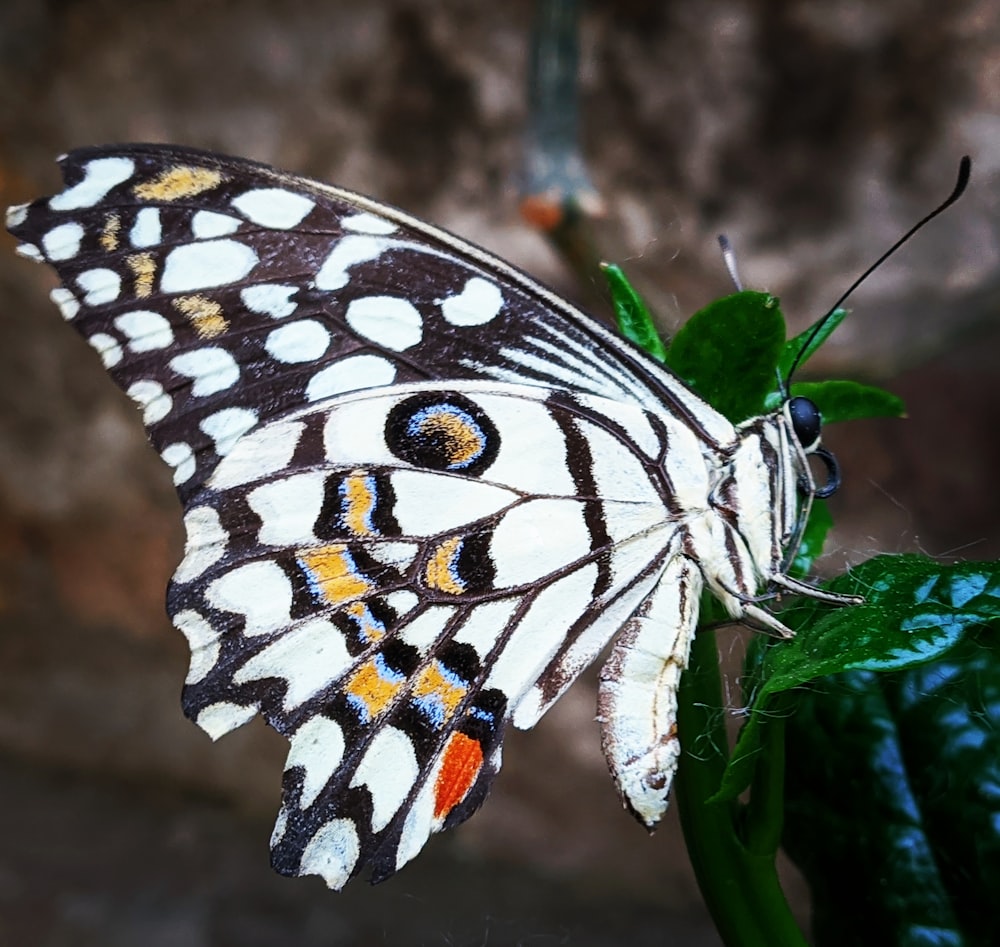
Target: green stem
{"x":740,"y":887}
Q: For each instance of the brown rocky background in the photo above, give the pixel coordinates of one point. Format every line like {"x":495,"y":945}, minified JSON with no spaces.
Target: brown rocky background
{"x":814,"y":134}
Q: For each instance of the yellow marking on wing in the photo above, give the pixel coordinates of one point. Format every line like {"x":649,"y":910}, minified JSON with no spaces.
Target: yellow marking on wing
{"x":177,"y":182}
{"x":433,"y":683}
{"x":204,"y":314}
{"x":360,"y":613}
{"x":336,"y":575}
{"x":373,"y":690}
{"x":359,"y":502}
{"x":463,"y":442}
{"x":439,"y":575}
{"x":109,"y":235}
{"x":143,"y":268}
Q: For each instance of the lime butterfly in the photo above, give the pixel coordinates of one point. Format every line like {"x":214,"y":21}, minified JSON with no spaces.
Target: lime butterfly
{"x":422,"y":492}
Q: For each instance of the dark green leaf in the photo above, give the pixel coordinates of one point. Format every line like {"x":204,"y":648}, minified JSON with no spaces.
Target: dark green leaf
{"x":915,"y":609}
{"x":728,"y":352}
{"x":632,"y":315}
{"x":850,"y":401}
{"x":893,"y":805}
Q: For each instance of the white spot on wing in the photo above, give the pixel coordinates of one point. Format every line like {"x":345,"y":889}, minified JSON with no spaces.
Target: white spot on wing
{"x":368,"y":223}
{"x":212,"y":369}
{"x":153,"y":400}
{"x":307,"y":658}
{"x":205,"y":545}
{"x":404,"y":600}
{"x":146,"y":229}
{"x":206,"y":264}
{"x":16,"y":215}
{"x":207,"y":224}
{"x":332,"y":853}
{"x":478,"y":303}
{"x":203,"y":640}
{"x":258,"y":455}
{"x":419,"y":511}
{"x":63,"y":242}
{"x":426,"y":628}
{"x":302,"y":341}
{"x":100,"y":286}
{"x":288,"y":509}
{"x":273,"y":207}
{"x":99,"y":177}
{"x":389,"y":769}
{"x":541,"y":631}
{"x":269,"y":299}
{"x":484,"y":622}
{"x":146,"y":330}
{"x":388,"y":321}
{"x":218,"y":719}
{"x":178,"y":455}
{"x":68,"y":304}
{"x":108,"y":347}
{"x":317,"y":747}
{"x":227,"y":426}
{"x":350,"y":374}
{"x":29,"y":251}
{"x":346,"y":253}
{"x":258,"y":590}
{"x":536,"y":539}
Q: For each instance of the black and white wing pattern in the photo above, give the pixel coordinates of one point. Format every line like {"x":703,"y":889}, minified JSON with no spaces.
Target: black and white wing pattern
{"x":421,"y":492}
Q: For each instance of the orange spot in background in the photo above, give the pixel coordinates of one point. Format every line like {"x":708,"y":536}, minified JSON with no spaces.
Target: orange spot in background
{"x":544,"y":211}
{"x":463,"y":759}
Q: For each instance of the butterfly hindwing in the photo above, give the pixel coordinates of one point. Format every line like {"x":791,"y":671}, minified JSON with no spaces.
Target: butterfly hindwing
{"x":392,"y":601}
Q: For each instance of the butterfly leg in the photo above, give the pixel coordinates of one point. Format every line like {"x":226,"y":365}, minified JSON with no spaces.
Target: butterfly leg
{"x":637,"y":702}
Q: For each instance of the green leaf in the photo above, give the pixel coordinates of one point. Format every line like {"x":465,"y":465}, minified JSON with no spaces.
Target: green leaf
{"x":850,"y":401}
{"x":893,"y":805}
{"x":915,"y":609}
{"x":808,"y":346}
{"x":728,"y":352}
{"x":631,"y":313}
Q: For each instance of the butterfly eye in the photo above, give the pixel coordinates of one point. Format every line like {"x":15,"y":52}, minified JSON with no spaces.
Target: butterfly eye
{"x":442,"y":431}
{"x":806,"y":422}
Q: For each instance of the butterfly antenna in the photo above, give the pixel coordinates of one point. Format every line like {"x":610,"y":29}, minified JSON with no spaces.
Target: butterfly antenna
{"x":964,"y":170}
{"x":729,"y":256}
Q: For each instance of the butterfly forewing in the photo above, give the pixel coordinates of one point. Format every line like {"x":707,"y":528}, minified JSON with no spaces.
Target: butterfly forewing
{"x":221,"y":294}
{"x":421,"y":492}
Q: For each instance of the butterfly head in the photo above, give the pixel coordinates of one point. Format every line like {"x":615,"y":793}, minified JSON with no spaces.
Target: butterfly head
{"x":806,"y":423}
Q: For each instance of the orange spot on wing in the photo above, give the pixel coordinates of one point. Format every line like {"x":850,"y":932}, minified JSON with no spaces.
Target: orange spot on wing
{"x":463,"y":759}
{"x":204,"y":314}
{"x":359,"y":503}
{"x":334,"y":573}
{"x":176,"y":182}
{"x":143,"y":268}
{"x":439,"y":573}
{"x":109,"y":235}
{"x":371,"y":689}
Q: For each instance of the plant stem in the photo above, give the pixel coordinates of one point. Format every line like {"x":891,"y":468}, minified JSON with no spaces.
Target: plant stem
{"x":740,"y":886}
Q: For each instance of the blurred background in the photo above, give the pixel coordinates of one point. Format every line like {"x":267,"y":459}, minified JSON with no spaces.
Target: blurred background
{"x":812,"y":134}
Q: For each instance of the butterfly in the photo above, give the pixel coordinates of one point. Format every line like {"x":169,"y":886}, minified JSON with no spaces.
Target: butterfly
{"x":421,"y":492}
